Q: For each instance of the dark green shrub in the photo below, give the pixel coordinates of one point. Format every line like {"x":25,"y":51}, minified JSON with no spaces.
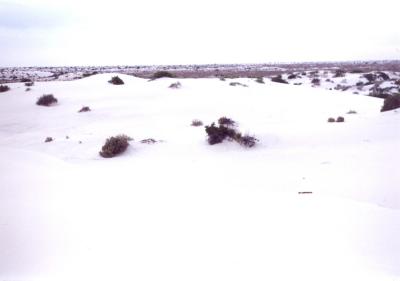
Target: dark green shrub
{"x":316,"y":81}
{"x":116,"y":81}
{"x":46,"y":100}
{"x":114,"y":146}
{"x":391,"y":102}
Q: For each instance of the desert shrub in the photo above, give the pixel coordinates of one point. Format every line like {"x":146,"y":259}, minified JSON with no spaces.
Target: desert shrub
{"x":23,"y":80}
{"x":226,"y":131}
{"x":260,"y":80}
{"x":331,"y":119}
{"x":148,"y":141}
{"x":352,"y":112}
{"x":237,"y":84}
{"x":292,"y":76}
{"x":248,"y":141}
{"x":29,"y":84}
{"x":391,"y":102}
{"x":370,"y":77}
{"x":196,"y":123}
{"x":27,"y":89}
{"x":162,"y":74}
{"x":84,"y":109}
{"x":4,"y":88}
{"x":316,"y":81}
{"x":359,"y":84}
{"x":339,"y":73}
{"x":225,"y":121}
{"x":48,"y":139}
{"x":46,"y":100}
{"x":176,"y":85}
{"x":298,"y":84}
{"x":116,"y":81}
{"x":222,"y":78}
{"x":114,"y":146}
{"x":340,"y":119}
{"x":219,"y":134}
{"x":356,"y":71}
{"x":279,"y":79}
{"x":383,"y":75}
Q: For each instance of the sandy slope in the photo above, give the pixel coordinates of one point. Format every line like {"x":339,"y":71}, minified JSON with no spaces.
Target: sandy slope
{"x":181,"y":209}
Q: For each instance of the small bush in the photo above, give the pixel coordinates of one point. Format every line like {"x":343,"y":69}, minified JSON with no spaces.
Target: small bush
{"x":340,"y":119}
{"x":292,"y":76}
{"x":27,"y":89}
{"x":46,"y":100}
{"x":4,"y":88}
{"x":84,"y":109}
{"x":162,"y":74}
{"x":383,"y":76}
{"x":196,"y":123}
{"x":237,"y":84}
{"x":116,"y":81}
{"x":148,"y":141}
{"x":339,"y":73}
{"x":260,"y":80}
{"x":352,"y":112}
{"x":48,"y":139}
{"x":331,"y":119}
{"x":226,"y":131}
{"x":370,"y":77}
{"x":114,"y":146}
{"x":316,"y":82}
{"x":225,"y":121}
{"x":29,"y":84}
{"x":23,"y":80}
{"x":279,"y":79}
{"x":391,"y":102}
{"x":176,"y":85}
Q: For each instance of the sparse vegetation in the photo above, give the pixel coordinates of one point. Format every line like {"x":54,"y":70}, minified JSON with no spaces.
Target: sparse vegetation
{"x":339,"y":73}
{"x":196,"y":123}
{"x":316,"y":81}
{"x":260,"y":80}
{"x":116,"y":81}
{"x":331,"y":119}
{"x":148,"y":141}
{"x":176,"y":85}
{"x":237,"y":84}
{"x":115,"y":146}
{"x":279,"y":79}
{"x":226,"y":130}
{"x":391,"y":102}
{"x":340,"y":119}
{"x":4,"y":88}
{"x":29,"y":84}
{"x":84,"y":109}
{"x":46,"y":100}
{"x":48,"y":139}
{"x":352,"y":112}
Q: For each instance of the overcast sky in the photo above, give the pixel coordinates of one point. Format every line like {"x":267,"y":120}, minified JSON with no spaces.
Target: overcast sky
{"x":55,"y":33}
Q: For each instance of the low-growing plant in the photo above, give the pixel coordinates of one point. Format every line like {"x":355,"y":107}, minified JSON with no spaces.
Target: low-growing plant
{"x":340,"y":119}
{"x":331,"y":120}
{"x":237,"y":84}
{"x":196,"y":123}
{"x":227,"y":131}
{"x":46,"y":100}
{"x":48,"y":139}
{"x":316,"y":81}
{"x":391,"y":102}
{"x":84,"y":109}
{"x":176,"y":85}
{"x":279,"y":79}
{"x":292,"y":76}
{"x":260,"y":80}
{"x":148,"y":141}
{"x":339,"y":73}
{"x":27,"y":89}
{"x":116,"y":81}
{"x":114,"y":146}
{"x":352,"y":112}
{"x":29,"y":84}
{"x":4,"y":88}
